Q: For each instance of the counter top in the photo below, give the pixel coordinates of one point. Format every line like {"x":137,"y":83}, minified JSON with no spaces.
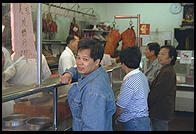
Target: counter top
{"x":12,"y":92}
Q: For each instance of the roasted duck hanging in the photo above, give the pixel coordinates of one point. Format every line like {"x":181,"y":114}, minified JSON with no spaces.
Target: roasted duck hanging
{"x":128,"y":38}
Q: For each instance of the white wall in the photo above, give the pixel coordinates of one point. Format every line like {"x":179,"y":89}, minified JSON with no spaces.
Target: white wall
{"x":155,"y":14}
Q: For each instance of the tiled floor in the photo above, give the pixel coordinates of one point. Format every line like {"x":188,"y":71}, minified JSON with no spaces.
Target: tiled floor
{"x":183,"y":121}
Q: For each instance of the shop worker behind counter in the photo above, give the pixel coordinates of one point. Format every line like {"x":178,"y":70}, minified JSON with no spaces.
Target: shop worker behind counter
{"x":132,"y":107}
{"x":7,"y":107}
{"x":162,"y":94}
{"x":151,"y":52}
{"x":91,"y":100}
{"x":67,"y":59}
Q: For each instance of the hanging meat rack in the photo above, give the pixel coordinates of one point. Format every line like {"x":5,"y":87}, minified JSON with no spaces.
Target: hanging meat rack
{"x":138,"y":24}
{"x":75,"y":11}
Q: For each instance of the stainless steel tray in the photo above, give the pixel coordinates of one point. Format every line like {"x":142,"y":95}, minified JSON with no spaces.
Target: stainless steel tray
{"x":38,"y":123}
{"x":15,"y":120}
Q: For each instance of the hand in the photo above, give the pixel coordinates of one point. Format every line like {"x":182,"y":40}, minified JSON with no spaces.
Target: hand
{"x":117,"y":122}
{"x":66,"y":78}
{"x":113,"y":60}
{"x":3,"y":75}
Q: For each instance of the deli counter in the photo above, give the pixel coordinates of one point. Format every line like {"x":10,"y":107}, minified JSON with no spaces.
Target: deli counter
{"x":46,"y":107}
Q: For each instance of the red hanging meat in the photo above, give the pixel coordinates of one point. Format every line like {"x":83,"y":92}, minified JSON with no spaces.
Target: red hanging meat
{"x":128,"y":38}
{"x":49,"y":22}
{"x":44,"y":24}
{"x":74,"y":28}
{"x":54,"y":27}
{"x":112,"y":42}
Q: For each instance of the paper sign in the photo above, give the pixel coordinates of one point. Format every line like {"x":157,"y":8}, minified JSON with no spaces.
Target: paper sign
{"x":145,"y":29}
{"x":185,"y":57}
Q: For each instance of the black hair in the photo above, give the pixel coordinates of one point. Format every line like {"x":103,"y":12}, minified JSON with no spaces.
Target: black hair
{"x":69,"y":39}
{"x":154,"y":46}
{"x":96,"y":49}
{"x":131,"y":57}
{"x":172,"y":53}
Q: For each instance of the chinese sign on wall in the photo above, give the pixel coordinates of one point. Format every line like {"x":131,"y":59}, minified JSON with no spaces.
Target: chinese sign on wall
{"x":145,"y":29}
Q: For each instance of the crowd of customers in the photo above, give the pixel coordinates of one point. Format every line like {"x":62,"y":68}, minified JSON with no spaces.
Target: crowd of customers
{"x":146,"y":100}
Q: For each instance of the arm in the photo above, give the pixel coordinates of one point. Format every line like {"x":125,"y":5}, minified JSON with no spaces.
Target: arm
{"x":119,"y":110}
{"x":7,"y":62}
{"x":160,"y":89}
{"x":45,"y":68}
{"x":69,"y":75}
{"x":124,"y":98}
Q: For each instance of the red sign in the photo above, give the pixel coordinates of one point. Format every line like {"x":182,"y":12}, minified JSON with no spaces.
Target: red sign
{"x":145,"y":29}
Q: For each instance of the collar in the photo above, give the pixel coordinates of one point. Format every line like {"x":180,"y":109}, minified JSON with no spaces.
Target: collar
{"x":155,"y":62}
{"x":89,"y":78}
{"x":135,"y":71}
{"x":69,"y":50}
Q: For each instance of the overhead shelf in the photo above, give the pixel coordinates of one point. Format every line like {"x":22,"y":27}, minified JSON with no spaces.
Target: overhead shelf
{"x":89,"y":30}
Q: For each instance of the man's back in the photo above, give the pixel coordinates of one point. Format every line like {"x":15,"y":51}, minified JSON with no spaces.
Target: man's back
{"x":66,"y":61}
{"x":97,"y":104}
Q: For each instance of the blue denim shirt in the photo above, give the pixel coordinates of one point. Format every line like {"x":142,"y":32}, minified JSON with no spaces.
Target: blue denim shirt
{"x":91,"y":101}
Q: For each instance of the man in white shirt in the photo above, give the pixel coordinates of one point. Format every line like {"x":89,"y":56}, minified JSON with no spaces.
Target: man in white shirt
{"x":27,"y":71}
{"x":67,"y":58}
{"x":6,"y":75}
{"x":7,"y":107}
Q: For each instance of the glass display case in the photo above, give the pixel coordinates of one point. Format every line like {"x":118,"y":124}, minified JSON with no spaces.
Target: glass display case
{"x":185,"y":84}
{"x":185,"y":81}
{"x":52,"y":104}
{"x":185,"y":71}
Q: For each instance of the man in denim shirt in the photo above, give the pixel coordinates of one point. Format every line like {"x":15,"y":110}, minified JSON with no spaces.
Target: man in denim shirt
{"x":91,"y":100}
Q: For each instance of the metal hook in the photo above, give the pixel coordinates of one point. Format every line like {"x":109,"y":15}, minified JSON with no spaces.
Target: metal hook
{"x":114,"y":23}
{"x":66,"y":12}
{"x":49,"y":6}
{"x":130,"y":22}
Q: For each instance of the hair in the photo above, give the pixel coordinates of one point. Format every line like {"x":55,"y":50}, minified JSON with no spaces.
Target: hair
{"x":131,"y":57}
{"x":69,"y":39}
{"x":172,"y":53}
{"x":154,"y":46}
{"x":96,"y":49}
